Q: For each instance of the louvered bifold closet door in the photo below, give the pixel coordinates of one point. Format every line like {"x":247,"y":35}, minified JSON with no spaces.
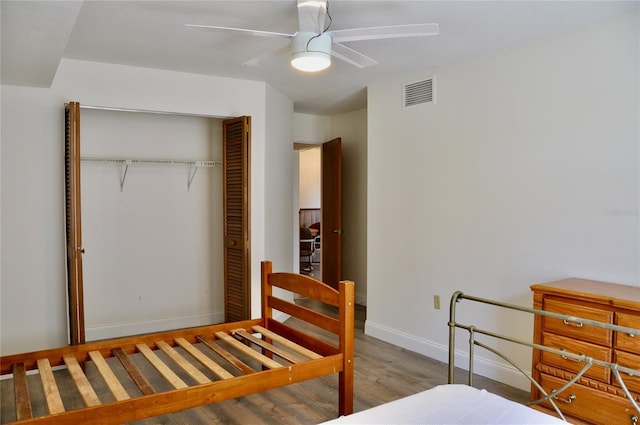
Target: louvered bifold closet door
{"x":237,"y":272}
{"x":73,"y":222}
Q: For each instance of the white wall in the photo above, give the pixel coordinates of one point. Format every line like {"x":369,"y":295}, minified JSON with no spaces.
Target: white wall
{"x":314,"y":129}
{"x":309,"y":177}
{"x":278,"y":192}
{"x":33,"y":281}
{"x":525,"y":171}
{"x":33,"y":295}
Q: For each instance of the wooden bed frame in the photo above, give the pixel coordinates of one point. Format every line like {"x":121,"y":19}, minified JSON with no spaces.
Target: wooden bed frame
{"x":193,"y":375}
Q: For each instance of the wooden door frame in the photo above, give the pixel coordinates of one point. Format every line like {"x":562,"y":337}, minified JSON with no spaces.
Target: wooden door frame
{"x":74,"y":251}
{"x":331,"y":212}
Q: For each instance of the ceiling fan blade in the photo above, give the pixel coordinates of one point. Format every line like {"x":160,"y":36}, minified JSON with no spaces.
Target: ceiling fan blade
{"x":258,"y":59}
{"x":393,"y":31}
{"x":311,"y":14}
{"x":351,"y":56}
{"x":247,"y":31}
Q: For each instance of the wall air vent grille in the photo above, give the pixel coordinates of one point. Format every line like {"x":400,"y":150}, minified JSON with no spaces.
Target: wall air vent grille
{"x":419,"y":93}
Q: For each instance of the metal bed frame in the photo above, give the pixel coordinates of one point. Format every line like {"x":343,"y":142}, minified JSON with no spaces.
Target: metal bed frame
{"x":474,"y":331}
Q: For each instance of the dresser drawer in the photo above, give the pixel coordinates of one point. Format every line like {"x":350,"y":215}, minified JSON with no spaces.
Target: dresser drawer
{"x":577,"y":347}
{"x":625,"y":341}
{"x":632,"y":361}
{"x":576,"y":330}
{"x":590,"y":405}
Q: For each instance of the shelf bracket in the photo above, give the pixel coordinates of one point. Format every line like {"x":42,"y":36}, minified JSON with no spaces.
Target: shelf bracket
{"x":194,"y":168}
{"x":125,"y":168}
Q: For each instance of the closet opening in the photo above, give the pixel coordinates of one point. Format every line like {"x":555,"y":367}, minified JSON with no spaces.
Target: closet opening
{"x":146,"y":211}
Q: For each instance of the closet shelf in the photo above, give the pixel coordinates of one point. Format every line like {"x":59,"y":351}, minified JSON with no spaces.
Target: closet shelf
{"x":126,"y":162}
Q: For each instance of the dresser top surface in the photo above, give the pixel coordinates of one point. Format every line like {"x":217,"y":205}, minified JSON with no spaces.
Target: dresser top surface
{"x":591,"y":290}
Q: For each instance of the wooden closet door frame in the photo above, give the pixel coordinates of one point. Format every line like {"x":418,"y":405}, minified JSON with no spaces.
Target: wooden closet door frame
{"x":236,"y":158}
{"x":75,"y":286}
{"x":236,"y":131}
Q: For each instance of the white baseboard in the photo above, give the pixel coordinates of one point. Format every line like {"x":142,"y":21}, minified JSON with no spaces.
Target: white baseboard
{"x":116,"y":330}
{"x":482,"y":366}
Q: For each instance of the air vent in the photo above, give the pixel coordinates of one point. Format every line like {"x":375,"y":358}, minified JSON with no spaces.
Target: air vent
{"x":419,"y":93}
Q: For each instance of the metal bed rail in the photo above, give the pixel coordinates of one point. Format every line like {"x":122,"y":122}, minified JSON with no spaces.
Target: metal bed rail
{"x":588,"y":361}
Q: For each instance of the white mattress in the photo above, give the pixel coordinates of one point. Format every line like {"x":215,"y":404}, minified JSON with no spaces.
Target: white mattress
{"x":450,"y":404}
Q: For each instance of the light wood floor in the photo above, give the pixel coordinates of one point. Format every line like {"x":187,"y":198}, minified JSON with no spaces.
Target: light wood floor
{"x":383,"y":372}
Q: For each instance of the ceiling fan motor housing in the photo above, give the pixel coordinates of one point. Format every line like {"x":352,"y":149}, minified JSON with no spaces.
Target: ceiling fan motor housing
{"x":310,"y":51}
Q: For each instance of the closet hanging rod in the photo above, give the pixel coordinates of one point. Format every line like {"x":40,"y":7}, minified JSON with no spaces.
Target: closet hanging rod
{"x":129,"y":161}
{"x":148,"y":111}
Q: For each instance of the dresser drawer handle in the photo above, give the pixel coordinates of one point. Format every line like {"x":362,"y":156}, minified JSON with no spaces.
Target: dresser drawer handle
{"x":634,"y":419}
{"x":570,"y":359}
{"x":630,"y":335}
{"x":567,"y":400}
{"x":568,"y":323}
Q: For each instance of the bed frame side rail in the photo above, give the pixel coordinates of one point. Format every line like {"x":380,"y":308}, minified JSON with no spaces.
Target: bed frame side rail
{"x":105,"y":347}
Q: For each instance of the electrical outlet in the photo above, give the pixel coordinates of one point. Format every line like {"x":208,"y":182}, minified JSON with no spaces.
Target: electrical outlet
{"x":436,"y":302}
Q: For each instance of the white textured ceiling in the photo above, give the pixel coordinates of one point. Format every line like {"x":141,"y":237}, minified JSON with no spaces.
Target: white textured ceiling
{"x":35,"y":35}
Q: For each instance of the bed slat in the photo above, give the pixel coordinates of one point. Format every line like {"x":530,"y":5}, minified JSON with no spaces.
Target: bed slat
{"x":287,"y":343}
{"x":134,"y":372}
{"x":21,"y":390}
{"x":109,"y":377}
{"x":233,"y":360}
{"x":86,"y":391}
{"x":161,"y":367}
{"x":288,"y":356}
{"x":271,"y":364}
{"x":49,"y":387}
{"x":200,"y":377}
{"x":202,"y":358}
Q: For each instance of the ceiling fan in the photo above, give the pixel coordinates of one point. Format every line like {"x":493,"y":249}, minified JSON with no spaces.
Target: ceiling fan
{"x":312,"y":46}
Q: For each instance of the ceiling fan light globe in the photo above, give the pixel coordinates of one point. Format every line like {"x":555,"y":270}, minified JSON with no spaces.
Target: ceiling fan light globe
{"x":310,"y":61}
{"x":310,"y":52}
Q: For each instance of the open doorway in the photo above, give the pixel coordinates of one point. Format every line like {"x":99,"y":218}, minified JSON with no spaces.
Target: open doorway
{"x":310,"y":213}
{"x":328,"y":246}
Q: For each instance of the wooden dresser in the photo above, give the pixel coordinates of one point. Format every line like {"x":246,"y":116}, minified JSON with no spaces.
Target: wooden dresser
{"x":597,"y":397}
